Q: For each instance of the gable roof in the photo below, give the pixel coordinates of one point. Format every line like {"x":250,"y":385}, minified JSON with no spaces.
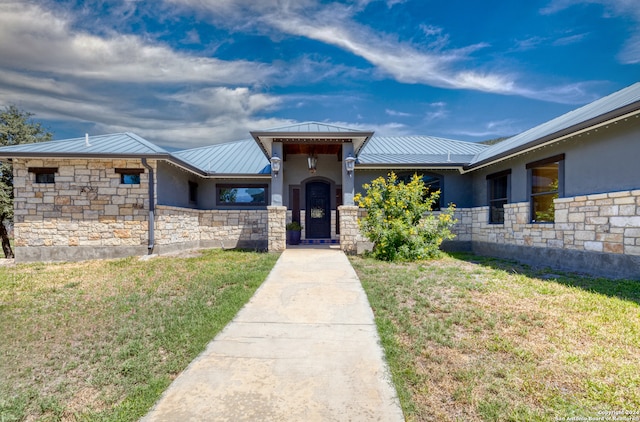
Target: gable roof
{"x":418,"y":150}
{"x":310,"y":132}
{"x":113,"y":145}
{"x":606,"y":109}
{"x":240,"y":157}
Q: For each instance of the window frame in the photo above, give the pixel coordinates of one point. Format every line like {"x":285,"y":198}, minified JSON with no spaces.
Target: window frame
{"x":40,"y":171}
{"x":406,"y":178}
{"x":242,"y":186}
{"x":559,"y":192}
{"x":193,"y":192}
{"x":129,"y":172}
{"x":491,"y":199}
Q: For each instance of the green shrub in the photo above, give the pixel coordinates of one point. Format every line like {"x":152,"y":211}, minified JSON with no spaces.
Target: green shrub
{"x":400,"y":221}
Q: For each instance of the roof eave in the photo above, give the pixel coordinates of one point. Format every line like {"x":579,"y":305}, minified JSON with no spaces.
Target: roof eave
{"x":159,"y":156}
{"x":238,"y":176}
{"x":420,"y":166}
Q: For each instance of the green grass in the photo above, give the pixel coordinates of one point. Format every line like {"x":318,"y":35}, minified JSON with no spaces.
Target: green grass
{"x":477,"y":339}
{"x":101,"y":340}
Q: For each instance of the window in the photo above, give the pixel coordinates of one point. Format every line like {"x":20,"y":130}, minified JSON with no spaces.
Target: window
{"x":44,"y":174}
{"x":242,"y":195}
{"x":130,"y":176}
{"x":498,"y":190}
{"x":193,"y":192}
{"x":545,"y":179}
{"x":432,"y":183}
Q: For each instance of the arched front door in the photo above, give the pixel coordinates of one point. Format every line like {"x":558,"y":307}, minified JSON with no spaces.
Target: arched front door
{"x":318,"y":210}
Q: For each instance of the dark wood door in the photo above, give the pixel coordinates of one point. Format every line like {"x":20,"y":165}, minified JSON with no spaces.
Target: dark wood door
{"x":318,"y":210}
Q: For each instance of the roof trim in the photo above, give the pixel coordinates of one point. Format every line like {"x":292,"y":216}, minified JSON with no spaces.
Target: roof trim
{"x":422,"y":166}
{"x":11,"y":154}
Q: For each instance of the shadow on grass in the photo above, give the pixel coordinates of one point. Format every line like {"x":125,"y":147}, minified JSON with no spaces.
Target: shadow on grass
{"x":623,"y":289}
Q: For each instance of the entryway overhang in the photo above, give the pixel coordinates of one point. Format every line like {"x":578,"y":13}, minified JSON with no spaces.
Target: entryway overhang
{"x":305,"y":137}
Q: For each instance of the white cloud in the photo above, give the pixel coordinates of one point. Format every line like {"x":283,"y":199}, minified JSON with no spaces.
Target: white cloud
{"x":396,"y":113}
{"x":334,"y":24}
{"x":27,"y":43}
{"x":628,"y":9}
{"x":122,"y":82}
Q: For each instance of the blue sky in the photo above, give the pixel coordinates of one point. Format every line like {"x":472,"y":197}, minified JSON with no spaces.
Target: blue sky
{"x":187,"y":73}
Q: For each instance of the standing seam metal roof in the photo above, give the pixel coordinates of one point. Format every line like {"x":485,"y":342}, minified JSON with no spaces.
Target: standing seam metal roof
{"x":610,"y":103}
{"x":113,"y":144}
{"x":240,"y":157}
{"x":310,"y":127}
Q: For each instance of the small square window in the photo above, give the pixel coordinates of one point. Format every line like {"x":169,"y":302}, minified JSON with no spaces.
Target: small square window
{"x":130,"y":176}
{"x":45,"y":178}
{"x":130,"y":179}
{"x":46,"y":175}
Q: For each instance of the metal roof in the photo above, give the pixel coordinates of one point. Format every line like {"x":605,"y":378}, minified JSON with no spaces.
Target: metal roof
{"x":240,"y":157}
{"x":604,"y":109}
{"x":310,"y":127}
{"x":405,"y":150}
{"x":116,"y":144}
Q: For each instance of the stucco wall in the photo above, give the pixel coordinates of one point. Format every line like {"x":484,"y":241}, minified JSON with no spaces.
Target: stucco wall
{"x":457,"y":188}
{"x":173,"y":186}
{"x":596,"y":162}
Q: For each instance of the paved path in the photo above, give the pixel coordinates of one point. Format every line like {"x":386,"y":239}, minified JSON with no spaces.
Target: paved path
{"x":305,"y":348}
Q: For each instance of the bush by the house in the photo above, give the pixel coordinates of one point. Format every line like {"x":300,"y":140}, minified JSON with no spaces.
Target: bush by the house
{"x":399,"y":219}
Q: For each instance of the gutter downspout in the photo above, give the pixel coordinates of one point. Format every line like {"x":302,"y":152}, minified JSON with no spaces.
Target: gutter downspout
{"x":152,"y":206}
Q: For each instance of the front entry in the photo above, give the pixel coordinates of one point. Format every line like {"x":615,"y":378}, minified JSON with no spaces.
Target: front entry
{"x":318,"y":211}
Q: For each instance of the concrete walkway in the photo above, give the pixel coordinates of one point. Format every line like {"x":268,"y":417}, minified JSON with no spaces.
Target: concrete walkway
{"x":305,"y":348}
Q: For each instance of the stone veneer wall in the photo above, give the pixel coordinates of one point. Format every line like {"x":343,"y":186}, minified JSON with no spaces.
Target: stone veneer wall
{"x":593,"y":233}
{"x":276,"y":226}
{"x":350,"y":233}
{"x":87,"y":208}
{"x":608,"y":222}
{"x":177,"y":228}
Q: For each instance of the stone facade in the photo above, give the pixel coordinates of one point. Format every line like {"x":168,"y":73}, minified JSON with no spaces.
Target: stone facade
{"x":608,"y":222}
{"x":87,"y":206}
{"x":349,"y":228}
{"x":277,"y":222}
{"x":179,"y":227}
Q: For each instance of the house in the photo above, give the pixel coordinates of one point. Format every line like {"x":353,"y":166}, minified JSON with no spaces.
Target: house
{"x":565,"y":194}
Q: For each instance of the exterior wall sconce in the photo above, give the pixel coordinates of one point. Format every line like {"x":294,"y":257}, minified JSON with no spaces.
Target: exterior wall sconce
{"x":275,"y":165}
{"x":350,"y":164}
{"x":312,"y":161}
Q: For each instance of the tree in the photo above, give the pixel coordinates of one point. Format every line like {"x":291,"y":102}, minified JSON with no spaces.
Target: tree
{"x":16,"y":128}
{"x":399,"y":219}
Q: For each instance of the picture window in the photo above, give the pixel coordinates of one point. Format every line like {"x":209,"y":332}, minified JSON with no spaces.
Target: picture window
{"x":254,"y":195}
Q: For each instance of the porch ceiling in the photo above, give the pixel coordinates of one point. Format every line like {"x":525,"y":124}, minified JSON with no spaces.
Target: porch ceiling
{"x":313,"y":148}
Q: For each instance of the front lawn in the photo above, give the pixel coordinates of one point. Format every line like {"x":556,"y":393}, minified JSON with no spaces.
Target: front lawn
{"x":476,"y":339}
{"x":101,"y":340}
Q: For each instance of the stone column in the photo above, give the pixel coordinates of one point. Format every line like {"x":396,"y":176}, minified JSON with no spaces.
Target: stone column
{"x":349,"y":229}
{"x":276,"y":228}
